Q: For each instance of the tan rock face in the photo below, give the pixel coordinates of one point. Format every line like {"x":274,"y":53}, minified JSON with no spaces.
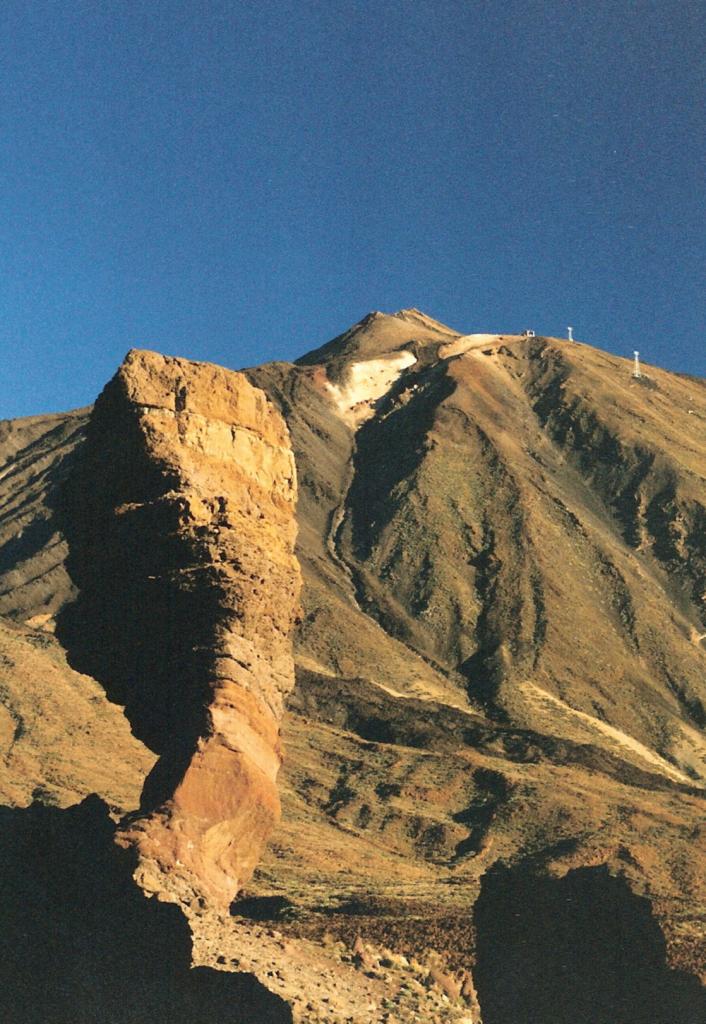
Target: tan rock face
{"x":181,"y":530}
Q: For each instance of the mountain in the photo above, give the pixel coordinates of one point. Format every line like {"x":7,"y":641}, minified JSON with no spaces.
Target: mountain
{"x":499,"y":710}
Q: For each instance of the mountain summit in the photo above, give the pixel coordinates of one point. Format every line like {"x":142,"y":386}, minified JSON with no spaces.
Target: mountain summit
{"x":379,"y":334}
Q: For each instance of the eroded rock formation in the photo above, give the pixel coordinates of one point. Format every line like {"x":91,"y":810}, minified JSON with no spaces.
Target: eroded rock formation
{"x":180,"y":522}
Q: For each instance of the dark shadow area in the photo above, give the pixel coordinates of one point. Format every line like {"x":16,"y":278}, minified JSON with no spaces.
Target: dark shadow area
{"x":148,"y":602}
{"x":388,"y":451}
{"x":484,"y":670}
{"x":26,"y":544}
{"x":493,"y":790}
{"x":80,"y":944}
{"x":263,"y":908}
{"x":375,"y":730}
{"x":582,"y":949}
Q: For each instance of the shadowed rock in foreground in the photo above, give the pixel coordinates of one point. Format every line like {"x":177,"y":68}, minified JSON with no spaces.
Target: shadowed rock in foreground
{"x":582,"y":949}
{"x":81,"y":943}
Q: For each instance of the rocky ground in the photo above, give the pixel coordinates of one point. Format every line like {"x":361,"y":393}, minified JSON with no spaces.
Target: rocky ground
{"x":335,"y":982}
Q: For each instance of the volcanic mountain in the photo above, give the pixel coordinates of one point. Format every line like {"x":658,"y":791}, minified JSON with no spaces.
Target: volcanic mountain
{"x":496,"y":741}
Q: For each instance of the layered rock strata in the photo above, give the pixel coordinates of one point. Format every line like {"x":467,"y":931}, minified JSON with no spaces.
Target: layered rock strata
{"x":181,"y":529}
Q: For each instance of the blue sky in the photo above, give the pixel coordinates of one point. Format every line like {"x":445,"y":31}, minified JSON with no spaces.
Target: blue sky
{"x":241,"y":181}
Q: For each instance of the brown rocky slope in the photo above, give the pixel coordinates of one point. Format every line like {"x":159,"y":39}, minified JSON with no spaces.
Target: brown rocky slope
{"x":499,"y":661}
{"x":501,"y":656}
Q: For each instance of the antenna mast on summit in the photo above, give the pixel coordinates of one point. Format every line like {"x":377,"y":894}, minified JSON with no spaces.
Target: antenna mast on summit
{"x":637,"y":373}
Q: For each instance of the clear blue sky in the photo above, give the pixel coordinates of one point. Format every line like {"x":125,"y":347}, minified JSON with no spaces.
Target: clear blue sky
{"x":241,"y":181}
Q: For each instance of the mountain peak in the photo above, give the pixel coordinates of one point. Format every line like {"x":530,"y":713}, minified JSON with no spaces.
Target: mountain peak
{"x":414,"y":315}
{"x":378,"y":334}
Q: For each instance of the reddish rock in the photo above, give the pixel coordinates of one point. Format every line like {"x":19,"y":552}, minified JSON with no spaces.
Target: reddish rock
{"x":185,"y":501}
